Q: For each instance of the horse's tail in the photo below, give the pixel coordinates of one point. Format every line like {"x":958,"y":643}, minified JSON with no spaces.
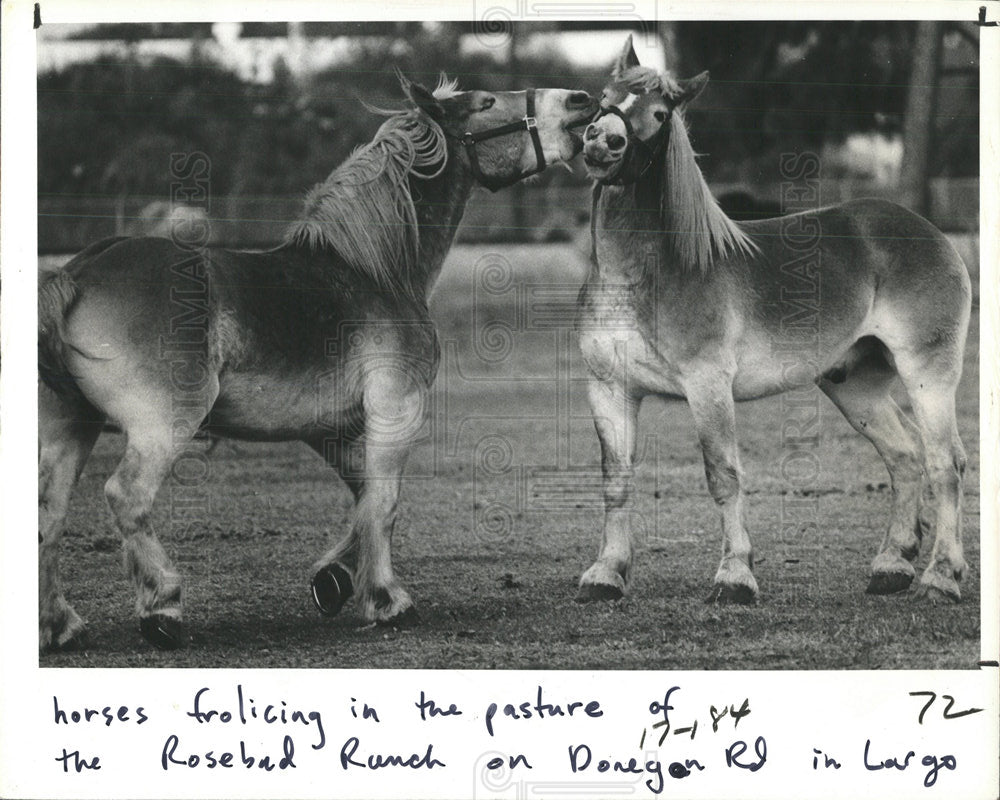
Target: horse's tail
{"x":57,"y":292}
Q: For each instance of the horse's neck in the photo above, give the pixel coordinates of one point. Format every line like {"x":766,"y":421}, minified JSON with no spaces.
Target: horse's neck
{"x":626,"y":240}
{"x":440,"y":203}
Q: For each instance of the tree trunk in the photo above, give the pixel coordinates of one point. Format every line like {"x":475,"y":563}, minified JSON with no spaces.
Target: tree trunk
{"x":671,"y":51}
{"x":918,"y":127}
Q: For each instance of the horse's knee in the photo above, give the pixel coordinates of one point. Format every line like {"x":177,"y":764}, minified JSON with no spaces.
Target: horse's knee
{"x":129,"y":500}
{"x":123,"y":505}
{"x":945,"y":476}
{"x":959,"y":460}
{"x":615,"y":496}
{"x":617,"y":486}
{"x":904,"y":465}
{"x":723,"y":481}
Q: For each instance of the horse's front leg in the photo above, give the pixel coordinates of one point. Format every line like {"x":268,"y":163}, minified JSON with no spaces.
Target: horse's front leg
{"x":615,"y":413}
{"x":372,"y":465}
{"x":711,"y":401}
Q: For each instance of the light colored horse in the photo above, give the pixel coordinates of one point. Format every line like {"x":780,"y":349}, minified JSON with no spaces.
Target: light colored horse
{"x":325,"y":339}
{"x":683,"y":302}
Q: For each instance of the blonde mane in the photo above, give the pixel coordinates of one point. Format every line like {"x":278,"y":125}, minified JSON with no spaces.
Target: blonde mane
{"x":364,"y":211}
{"x":695,"y":228}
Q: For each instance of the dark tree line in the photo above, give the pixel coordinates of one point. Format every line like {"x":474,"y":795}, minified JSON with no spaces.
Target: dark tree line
{"x":108,"y":127}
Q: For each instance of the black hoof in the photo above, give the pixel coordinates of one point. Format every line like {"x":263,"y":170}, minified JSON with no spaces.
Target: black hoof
{"x":598,"y":593}
{"x":407,"y":618}
{"x":732,"y":594}
{"x":167,"y":633}
{"x":888,"y":582}
{"x":331,"y":588}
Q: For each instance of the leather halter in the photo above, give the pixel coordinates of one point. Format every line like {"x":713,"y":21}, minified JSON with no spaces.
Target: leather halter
{"x":528,"y":123}
{"x":640,"y":155}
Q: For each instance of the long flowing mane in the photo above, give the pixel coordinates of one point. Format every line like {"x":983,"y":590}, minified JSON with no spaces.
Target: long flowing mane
{"x":695,"y":229}
{"x":364,"y":211}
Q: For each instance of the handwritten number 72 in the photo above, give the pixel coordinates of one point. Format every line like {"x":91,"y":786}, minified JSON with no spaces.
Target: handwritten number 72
{"x":948,"y":713}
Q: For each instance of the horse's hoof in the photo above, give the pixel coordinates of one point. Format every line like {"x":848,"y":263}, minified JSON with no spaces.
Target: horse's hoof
{"x":407,"y":618}
{"x":331,"y":588}
{"x":76,"y":641}
{"x":61,"y":630}
{"x":732,"y":594}
{"x":69,"y":641}
{"x":937,"y":588}
{"x":598,"y":593}
{"x":602,"y":582}
{"x":891,"y":573}
{"x":164,"y":632}
{"x":889,"y":582}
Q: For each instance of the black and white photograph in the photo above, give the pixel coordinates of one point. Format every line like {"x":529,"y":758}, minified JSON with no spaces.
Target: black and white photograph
{"x":609,"y":345}
{"x":331,"y":358}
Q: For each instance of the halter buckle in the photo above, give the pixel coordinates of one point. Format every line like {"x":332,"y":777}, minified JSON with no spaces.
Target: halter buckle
{"x":529,"y":123}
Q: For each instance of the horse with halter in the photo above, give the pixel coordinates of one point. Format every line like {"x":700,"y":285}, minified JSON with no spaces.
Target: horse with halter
{"x":683,"y":302}
{"x":324,"y":339}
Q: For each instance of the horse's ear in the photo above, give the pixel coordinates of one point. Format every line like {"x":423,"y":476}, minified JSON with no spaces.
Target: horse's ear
{"x":626,"y":59}
{"x":690,"y":88}
{"x":421,"y":97}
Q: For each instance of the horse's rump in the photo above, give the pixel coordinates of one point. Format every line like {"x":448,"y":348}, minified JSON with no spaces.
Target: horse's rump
{"x":845,"y":261}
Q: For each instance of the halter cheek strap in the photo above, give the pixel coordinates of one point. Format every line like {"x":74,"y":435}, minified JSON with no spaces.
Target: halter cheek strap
{"x":470,"y":140}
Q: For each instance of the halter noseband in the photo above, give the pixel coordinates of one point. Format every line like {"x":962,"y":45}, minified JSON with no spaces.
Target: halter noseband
{"x":470,"y":140}
{"x":640,"y":155}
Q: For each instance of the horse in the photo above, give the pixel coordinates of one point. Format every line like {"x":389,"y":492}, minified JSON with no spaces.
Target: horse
{"x":325,"y":339}
{"x":682,"y":302}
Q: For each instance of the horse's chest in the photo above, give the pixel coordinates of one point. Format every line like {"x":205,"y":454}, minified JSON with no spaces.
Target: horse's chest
{"x":619,"y":344}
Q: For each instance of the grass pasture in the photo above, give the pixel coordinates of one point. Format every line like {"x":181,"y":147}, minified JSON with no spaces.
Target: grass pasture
{"x":501,"y":514}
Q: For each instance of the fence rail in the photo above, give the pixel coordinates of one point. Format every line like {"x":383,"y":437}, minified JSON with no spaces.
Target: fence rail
{"x":68,"y":223}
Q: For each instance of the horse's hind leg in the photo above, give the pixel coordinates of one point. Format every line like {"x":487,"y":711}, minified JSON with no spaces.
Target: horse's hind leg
{"x":130,"y":492}
{"x":67,"y":430}
{"x":933,"y":400}
{"x":157,"y":431}
{"x":862,"y":395}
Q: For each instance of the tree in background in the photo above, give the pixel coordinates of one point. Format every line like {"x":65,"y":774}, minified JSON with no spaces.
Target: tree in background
{"x":797,"y":85}
{"x":106,"y":128}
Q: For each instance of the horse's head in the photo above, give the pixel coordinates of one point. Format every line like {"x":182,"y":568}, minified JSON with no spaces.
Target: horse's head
{"x":506,"y":136}
{"x":633,"y":126}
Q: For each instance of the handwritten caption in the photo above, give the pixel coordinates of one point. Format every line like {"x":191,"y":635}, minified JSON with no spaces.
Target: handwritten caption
{"x":249,"y":731}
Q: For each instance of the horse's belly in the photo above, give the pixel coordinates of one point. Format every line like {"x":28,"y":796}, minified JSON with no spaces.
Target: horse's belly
{"x":270,"y":407}
{"x":769,"y":365}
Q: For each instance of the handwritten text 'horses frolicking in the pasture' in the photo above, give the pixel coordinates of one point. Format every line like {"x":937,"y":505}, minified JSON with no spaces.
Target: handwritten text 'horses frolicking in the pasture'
{"x":683,"y":302}
{"x":325,"y":339}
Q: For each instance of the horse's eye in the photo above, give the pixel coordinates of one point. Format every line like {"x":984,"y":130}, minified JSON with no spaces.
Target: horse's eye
{"x":487,"y":103}
{"x":661,"y":116}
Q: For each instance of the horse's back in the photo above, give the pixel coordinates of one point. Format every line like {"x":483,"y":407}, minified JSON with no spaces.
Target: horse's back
{"x":282,"y":334}
{"x":855,"y":251}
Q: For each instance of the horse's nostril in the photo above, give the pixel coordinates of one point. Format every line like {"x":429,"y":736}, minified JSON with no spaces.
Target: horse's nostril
{"x":578,"y":100}
{"x":616,"y":142}
{"x":591,"y":133}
